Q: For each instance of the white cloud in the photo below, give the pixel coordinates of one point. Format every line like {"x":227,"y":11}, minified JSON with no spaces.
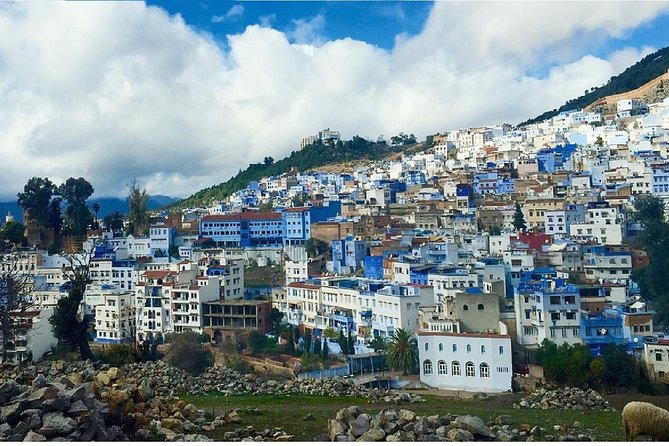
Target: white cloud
{"x":111,"y":91}
{"x":266,"y":21}
{"x":307,"y":31}
{"x":235,"y":12}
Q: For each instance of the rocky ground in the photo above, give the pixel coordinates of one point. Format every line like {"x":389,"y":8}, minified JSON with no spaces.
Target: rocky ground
{"x":352,"y":424}
{"x":566,"y":398}
{"x":88,"y":402}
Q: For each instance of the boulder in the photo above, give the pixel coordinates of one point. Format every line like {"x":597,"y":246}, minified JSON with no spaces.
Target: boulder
{"x":360,"y":425}
{"x":37,"y":398}
{"x":55,"y":423}
{"x":372,"y":435}
{"x":459,"y":435}
{"x":475,"y":425}
{"x":335,"y":429}
{"x":34,"y":436}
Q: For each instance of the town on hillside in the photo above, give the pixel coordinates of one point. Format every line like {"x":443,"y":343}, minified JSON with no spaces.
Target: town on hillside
{"x":490,"y":251}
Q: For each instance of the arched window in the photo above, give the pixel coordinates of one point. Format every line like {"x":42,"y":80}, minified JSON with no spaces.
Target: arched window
{"x":470,"y":370}
{"x":441,"y":347}
{"x":426,"y":346}
{"x":481,"y":307}
{"x":442,"y":368}
{"x":484,"y":370}
{"x":455,"y":368}
{"x":501,"y":349}
{"x":427,"y":367}
{"x":465,"y":307}
{"x":469,"y":348}
{"x":455,"y":347}
{"x":483,"y":349}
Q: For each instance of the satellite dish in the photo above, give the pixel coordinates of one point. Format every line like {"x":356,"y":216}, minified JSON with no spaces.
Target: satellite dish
{"x":636,"y":340}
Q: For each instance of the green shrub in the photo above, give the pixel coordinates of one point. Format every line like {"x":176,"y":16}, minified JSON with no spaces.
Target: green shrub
{"x":118,"y":355}
{"x":187,"y":353}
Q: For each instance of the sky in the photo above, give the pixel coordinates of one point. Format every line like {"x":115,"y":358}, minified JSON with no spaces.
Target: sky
{"x":181,"y":95}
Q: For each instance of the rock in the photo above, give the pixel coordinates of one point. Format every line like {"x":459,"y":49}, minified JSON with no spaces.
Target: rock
{"x":536,"y":431}
{"x":11,"y":412}
{"x":335,"y":429}
{"x":37,"y":398}
{"x":406,"y":416}
{"x":421,"y":426}
{"x":58,"y":365}
{"x":504,"y":419}
{"x":233,"y":417}
{"x":114,"y":373}
{"x":59,"y":404}
{"x":34,"y":436}
{"x":39,"y":381}
{"x":76,"y":393}
{"x":475,"y":425}
{"x":55,"y":423}
{"x":459,"y":435}
{"x":309,"y":417}
{"x":8,"y":390}
{"x":103,"y":378}
{"x":360,"y":425}
{"x":373,"y":435}
{"x":577,"y":425}
{"x":442,"y":431}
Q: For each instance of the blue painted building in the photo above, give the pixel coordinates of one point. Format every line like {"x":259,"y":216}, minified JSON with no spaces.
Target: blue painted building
{"x":374,"y":267}
{"x":244,"y":229}
{"x":553,"y":160}
{"x":348,"y":254}
{"x":601,"y":329}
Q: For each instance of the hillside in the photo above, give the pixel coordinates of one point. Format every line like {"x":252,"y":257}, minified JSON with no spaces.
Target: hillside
{"x":646,"y":70}
{"x":312,"y":156}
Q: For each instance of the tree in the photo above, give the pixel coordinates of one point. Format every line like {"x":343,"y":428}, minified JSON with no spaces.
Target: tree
{"x":350,"y":342}
{"x":619,"y":368}
{"x":290,"y":346}
{"x":316,"y":247}
{"x":495,"y":230}
{"x":519,"y":219}
{"x":12,"y":232}
{"x":654,"y":239}
{"x":317,"y":346}
{"x":343,"y":344}
{"x":77,"y":215}
{"x":187,"y":353}
{"x":325,"y":352}
{"x":96,"y":209}
{"x":138,"y":203}
{"x":402,"y":352}
{"x":378,"y":344}
{"x":330,"y":333}
{"x":599,"y":141}
{"x":114,"y":221}
{"x":300,"y":199}
{"x":268,"y":161}
{"x":68,"y":325}
{"x":14,"y":300}
{"x":307,"y":341}
{"x":36,"y":199}
{"x":266,"y":207}
{"x":257,"y":342}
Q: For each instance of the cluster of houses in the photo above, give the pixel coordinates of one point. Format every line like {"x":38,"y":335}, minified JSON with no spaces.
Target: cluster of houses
{"x":429,"y":242}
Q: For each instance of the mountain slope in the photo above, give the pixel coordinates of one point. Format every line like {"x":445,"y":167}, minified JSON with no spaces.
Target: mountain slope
{"x":642,"y":72}
{"x":312,"y":156}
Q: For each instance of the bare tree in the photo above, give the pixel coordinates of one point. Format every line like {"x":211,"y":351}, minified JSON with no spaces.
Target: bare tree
{"x":15,"y":300}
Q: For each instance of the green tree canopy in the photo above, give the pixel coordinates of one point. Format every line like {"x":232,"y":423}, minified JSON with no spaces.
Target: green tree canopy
{"x":114,"y":221}
{"x":519,"y":219}
{"x":36,"y":199}
{"x":402,"y":353}
{"x":138,"y":203}
{"x":12,"y":232}
{"x":77,"y":215}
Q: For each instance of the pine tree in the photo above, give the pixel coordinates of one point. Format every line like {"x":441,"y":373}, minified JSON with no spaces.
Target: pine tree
{"x":519,"y":219}
{"x":342,"y":343}
{"x":351,"y":344}
{"x":307,"y":341}
{"x":317,"y":346}
{"x":326,"y":351}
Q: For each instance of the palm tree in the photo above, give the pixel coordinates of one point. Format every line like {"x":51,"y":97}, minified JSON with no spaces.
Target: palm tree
{"x":114,"y":221}
{"x":402,"y":353}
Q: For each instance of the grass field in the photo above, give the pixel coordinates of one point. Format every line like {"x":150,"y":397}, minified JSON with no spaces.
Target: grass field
{"x":288,"y":412}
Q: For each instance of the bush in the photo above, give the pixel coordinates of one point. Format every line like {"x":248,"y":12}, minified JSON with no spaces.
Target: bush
{"x":309,"y":362}
{"x":238,"y":364}
{"x":118,"y":355}
{"x":187,"y":353}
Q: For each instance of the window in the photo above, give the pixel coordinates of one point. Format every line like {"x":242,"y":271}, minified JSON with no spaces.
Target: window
{"x":426,"y":346}
{"x":465,"y":307}
{"x":442,"y":368}
{"x":441,"y":347}
{"x":470,"y":370}
{"x":455,"y":368}
{"x":469,"y":348}
{"x":481,"y":307}
{"x":455,"y":347}
{"x":427,"y":367}
{"x":501,"y":349}
{"x":483,"y":349}
{"x":658,"y":356}
{"x":484,"y":370}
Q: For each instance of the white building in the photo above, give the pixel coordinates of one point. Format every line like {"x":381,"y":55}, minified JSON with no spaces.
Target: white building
{"x":116,"y":316}
{"x":472,"y":362}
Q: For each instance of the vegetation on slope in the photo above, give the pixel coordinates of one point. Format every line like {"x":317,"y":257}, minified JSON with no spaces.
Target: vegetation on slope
{"x":647,"y":69}
{"x":314,"y":155}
